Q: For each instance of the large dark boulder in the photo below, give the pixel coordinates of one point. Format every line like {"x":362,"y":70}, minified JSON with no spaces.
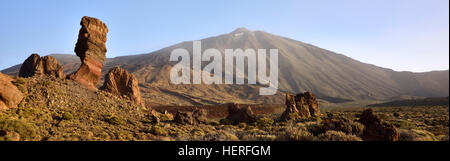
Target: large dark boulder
{"x":377,"y":130}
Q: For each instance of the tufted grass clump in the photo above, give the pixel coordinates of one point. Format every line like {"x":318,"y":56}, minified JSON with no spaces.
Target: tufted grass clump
{"x":20,"y":84}
{"x":158,"y":130}
{"x":197,"y":132}
{"x":416,"y":135}
{"x":47,"y":83}
{"x":221,"y":135}
{"x":343,"y":125}
{"x":114,"y":120}
{"x":26,"y":131}
{"x":26,"y":111}
{"x":332,"y":135}
{"x":251,"y":137}
{"x":242,"y":125}
{"x":282,"y":124}
{"x":67,"y":116}
{"x":264,"y":123}
{"x":295,"y":132}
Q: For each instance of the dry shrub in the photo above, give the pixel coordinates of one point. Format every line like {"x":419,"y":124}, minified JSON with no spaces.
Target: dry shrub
{"x":242,"y":125}
{"x":158,"y":130}
{"x":221,"y":135}
{"x":25,"y":130}
{"x":337,"y":136}
{"x":264,"y":123}
{"x":295,"y":133}
{"x":251,"y":137}
{"x":416,"y":135}
{"x":343,"y":125}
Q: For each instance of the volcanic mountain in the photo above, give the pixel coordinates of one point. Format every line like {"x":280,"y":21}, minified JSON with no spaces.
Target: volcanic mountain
{"x":303,"y":67}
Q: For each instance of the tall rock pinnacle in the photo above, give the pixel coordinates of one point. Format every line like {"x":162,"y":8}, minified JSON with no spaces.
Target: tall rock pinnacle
{"x":91,"y":48}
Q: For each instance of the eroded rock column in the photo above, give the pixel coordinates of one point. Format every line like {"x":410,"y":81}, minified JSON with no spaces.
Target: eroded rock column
{"x":91,"y":48}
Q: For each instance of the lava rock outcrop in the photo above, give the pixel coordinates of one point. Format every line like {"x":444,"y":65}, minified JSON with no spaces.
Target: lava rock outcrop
{"x":300,"y":106}
{"x":35,"y":65}
{"x":240,"y":113}
{"x":196,"y":117}
{"x":377,"y":130}
{"x":120,"y":82}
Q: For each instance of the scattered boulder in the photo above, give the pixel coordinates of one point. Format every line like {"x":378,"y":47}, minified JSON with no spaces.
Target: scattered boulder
{"x":120,"y":82}
{"x":377,"y":130}
{"x":240,"y":113}
{"x":198,"y":116}
{"x":10,"y":96}
{"x":35,"y":65}
{"x":91,"y":48}
{"x":300,"y":106}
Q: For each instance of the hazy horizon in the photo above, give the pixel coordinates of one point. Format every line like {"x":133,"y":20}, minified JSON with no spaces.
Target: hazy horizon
{"x":403,"y":36}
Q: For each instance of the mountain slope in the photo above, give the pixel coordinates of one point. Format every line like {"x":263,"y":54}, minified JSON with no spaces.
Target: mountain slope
{"x":425,"y":102}
{"x":302,"y":67}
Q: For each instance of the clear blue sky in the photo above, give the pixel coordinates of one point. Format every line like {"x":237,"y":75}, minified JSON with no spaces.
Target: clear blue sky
{"x":404,"y":35}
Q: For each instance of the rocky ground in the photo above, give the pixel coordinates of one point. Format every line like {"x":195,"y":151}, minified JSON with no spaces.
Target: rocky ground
{"x":421,"y":123}
{"x":61,"y":109}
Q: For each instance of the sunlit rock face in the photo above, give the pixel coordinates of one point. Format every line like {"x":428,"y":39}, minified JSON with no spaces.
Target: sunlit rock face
{"x":35,"y":65}
{"x":120,"y":82}
{"x":10,"y":96}
{"x":91,"y":48}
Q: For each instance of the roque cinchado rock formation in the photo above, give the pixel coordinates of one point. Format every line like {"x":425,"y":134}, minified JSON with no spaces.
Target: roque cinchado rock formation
{"x":91,"y":48}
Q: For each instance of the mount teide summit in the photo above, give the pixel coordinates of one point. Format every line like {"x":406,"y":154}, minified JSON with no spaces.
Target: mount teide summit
{"x":302,"y":67}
